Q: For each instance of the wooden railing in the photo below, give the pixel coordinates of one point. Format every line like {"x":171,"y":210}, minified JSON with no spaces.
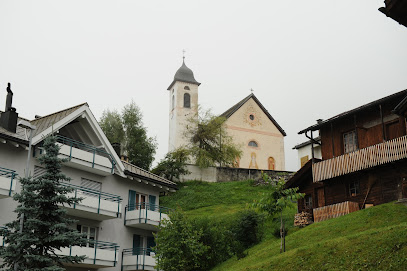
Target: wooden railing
{"x":372,"y":156}
{"x":335,"y":210}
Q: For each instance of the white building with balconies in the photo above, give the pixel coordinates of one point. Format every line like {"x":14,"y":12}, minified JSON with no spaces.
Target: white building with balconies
{"x":120,"y":207}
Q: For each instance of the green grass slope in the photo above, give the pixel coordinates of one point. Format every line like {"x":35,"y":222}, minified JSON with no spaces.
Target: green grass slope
{"x":371,"y":239}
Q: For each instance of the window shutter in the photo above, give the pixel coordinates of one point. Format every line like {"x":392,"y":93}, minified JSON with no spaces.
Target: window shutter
{"x":151,"y":200}
{"x":39,"y":171}
{"x":91,"y":184}
{"x":132,"y":200}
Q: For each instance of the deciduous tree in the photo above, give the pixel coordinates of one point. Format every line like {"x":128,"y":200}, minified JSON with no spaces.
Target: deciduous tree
{"x":173,"y":165}
{"x":209,"y":144}
{"x":276,"y":200}
{"x":128,"y":130}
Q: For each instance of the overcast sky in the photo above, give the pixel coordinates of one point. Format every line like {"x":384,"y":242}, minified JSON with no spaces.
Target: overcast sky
{"x":305,"y":60}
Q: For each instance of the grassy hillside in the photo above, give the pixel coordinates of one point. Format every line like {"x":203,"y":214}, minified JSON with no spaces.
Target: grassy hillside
{"x":218,"y":201}
{"x":371,"y":239}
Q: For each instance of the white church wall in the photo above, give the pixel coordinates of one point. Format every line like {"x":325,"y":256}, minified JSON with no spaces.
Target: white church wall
{"x":261,"y":130}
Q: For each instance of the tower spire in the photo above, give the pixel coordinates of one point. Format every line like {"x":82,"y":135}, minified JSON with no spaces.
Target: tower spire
{"x":183,"y":55}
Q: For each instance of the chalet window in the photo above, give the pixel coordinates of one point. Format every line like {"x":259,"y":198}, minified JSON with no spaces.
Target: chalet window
{"x":253,"y":144}
{"x":349,"y":142}
{"x":187,"y":100}
{"x":354,"y":188}
{"x":308,"y":202}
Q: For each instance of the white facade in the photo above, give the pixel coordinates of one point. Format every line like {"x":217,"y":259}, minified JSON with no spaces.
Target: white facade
{"x":180,"y":113}
{"x":110,"y":189}
{"x":304,"y":152}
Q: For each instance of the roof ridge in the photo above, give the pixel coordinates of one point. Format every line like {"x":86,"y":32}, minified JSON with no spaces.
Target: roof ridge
{"x":60,"y":111}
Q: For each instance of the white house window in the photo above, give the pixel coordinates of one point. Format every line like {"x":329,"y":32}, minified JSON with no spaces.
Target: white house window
{"x":90,"y":233}
{"x":253,"y":144}
{"x":349,"y":141}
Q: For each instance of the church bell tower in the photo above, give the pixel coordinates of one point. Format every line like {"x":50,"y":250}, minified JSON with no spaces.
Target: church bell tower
{"x":183,"y":105}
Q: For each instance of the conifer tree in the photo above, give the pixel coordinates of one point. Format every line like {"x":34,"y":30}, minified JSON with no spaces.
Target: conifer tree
{"x":46,"y":229}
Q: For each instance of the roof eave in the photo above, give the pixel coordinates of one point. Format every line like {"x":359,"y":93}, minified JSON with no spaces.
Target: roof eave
{"x":185,"y":81}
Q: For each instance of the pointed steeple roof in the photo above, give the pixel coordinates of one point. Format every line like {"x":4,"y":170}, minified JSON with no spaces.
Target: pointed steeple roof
{"x":184,"y":74}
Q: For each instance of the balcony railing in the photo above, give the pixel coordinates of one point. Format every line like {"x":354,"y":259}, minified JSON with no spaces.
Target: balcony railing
{"x":7,"y":182}
{"x":335,"y":210}
{"x":94,"y":204}
{"x":144,"y":214}
{"x":96,"y":157}
{"x":97,"y":253}
{"x":138,"y":259}
{"x":3,"y":231}
{"x":369,"y":157}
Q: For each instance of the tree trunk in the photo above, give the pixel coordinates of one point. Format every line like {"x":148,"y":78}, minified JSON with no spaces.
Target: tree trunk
{"x":281,"y":232}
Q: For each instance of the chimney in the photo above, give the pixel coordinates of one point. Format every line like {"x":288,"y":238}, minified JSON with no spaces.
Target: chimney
{"x":8,"y":119}
{"x":117,"y":147}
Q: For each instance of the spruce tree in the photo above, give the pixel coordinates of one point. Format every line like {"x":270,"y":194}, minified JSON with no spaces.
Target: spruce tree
{"x":46,"y":228}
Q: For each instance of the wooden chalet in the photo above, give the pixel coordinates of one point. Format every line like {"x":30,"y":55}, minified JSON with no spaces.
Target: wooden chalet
{"x":363,"y":163}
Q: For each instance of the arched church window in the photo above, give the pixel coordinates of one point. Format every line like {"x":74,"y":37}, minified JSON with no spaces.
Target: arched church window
{"x":253,"y":144}
{"x":253,"y":162}
{"x":271,"y":163}
{"x":186,"y":88}
{"x":187,"y":100}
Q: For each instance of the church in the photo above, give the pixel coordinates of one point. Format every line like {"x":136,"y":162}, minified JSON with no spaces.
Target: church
{"x":251,"y":126}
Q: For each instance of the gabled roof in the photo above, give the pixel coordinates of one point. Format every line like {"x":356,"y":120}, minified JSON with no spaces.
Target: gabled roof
{"x":306,"y":143}
{"x":397,"y":95}
{"x":47,"y":121}
{"x":236,"y":107}
{"x":56,"y":121}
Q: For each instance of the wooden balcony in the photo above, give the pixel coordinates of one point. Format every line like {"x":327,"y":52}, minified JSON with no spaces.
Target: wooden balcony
{"x":334,"y":210}
{"x":382,"y":153}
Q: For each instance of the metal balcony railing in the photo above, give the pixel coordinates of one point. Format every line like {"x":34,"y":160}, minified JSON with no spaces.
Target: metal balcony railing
{"x":82,"y":192}
{"x":144,"y":209}
{"x":141,"y":257}
{"x":96,"y":248}
{"x":369,"y":157}
{"x":3,"y":232}
{"x":86,"y":147}
{"x":8,"y":173}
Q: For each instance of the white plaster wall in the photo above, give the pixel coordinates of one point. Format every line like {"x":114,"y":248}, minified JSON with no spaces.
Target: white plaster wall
{"x":178,"y":117}
{"x":200,"y":174}
{"x":306,"y":150}
{"x":262,"y":130}
{"x":112,"y":230}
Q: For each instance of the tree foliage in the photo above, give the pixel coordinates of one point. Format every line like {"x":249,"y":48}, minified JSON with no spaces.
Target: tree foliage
{"x":128,"y":130}
{"x":46,"y":229}
{"x":276,"y":200}
{"x":209,"y":144}
{"x":178,"y":246}
{"x":173,"y":165}
{"x":201,"y":244}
